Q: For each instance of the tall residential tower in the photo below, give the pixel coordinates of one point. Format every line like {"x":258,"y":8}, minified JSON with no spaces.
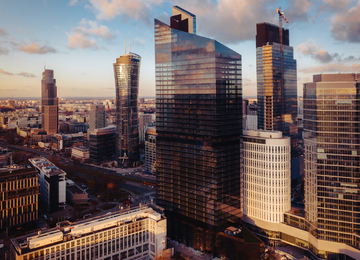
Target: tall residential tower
{"x":198,"y":122}
{"x":49,"y":103}
{"x":127,"y":71}
{"x":276,"y":82}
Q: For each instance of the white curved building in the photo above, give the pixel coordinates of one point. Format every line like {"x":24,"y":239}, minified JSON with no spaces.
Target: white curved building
{"x":267,"y":174}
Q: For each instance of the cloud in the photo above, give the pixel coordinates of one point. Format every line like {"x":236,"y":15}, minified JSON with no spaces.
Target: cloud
{"x":3,"y":51}
{"x":315,"y":51}
{"x":346,"y":25}
{"x":35,"y":48}
{"x":333,"y":67}
{"x":333,"y":6}
{"x":91,"y":28}
{"x":310,"y":48}
{"x":73,"y":2}
{"x":299,"y":10}
{"x":6,"y":72}
{"x":3,"y":32}
{"x":26,"y":74}
{"x":230,"y":21}
{"x":135,"y":9}
{"x":79,"y":37}
{"x":78,"y":40}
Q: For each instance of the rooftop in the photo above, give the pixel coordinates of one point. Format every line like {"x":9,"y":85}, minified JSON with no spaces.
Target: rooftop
{"x":74,"y":189}
{"x":66,"y":230}
{"x":46,"y":167}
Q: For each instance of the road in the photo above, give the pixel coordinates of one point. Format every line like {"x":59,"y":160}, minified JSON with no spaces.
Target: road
{"x":129,"y":177}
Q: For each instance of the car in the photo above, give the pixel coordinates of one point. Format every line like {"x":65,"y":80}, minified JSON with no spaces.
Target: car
{"x":89,"y":199}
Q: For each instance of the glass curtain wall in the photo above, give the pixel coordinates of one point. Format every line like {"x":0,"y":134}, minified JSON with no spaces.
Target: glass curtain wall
{"x":127,"y":71}
{"x":199,"y":123}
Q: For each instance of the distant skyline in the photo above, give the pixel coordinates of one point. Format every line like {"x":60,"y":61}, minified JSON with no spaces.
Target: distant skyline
{"x":81,"y":39}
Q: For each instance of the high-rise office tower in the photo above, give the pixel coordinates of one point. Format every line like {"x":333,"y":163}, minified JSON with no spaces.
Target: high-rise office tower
{"x":199,"y":123}
{"x":127,"y":71}
{"x":276,"y":82}
{"x":97,"y":117}
{"x":49,"y":103}
{"x":332,"y":158}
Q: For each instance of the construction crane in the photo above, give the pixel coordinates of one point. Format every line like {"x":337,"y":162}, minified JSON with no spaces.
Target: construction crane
{"x":282,"y":16}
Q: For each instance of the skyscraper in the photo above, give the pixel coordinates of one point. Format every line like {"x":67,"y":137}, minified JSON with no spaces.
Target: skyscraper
{"x":332,"y":158}
{"x":49,"y":103}
{"x":199,"y":122}
{"x":127,"y":71}
{"x":97,"y":117}
{"x":276,"y":82}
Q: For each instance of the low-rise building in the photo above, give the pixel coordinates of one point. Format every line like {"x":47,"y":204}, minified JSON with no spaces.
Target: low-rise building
{"x":5,"y":156}
{"x":134,"y":234}
{"x":102,"y":144}
{"x":52,"y":184}
{"x":39,"y":135}
{"x":19,"y":191}
{"x":31,"y":121}
{"x":72,"y":127}
{"x":74,"y":194}
{"x":64,"y":142}
{"x":80,"y":153}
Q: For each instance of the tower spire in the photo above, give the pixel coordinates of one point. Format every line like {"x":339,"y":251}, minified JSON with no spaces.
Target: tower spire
{"x":129,"y":45}
{"x":125,"y":44}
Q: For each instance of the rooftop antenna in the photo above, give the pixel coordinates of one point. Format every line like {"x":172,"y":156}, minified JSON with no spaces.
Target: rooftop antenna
{"x":129,"y":45}
{"x":125,"y":44}
{"x":44,"y":65}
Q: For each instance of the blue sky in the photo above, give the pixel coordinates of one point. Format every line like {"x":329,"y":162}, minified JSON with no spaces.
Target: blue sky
{"x":81,"y":39}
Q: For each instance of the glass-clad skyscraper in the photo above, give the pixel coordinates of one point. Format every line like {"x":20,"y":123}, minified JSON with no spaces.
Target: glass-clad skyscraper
{"x":127,"y":71}
{"x":276,"y":82}
{"x":199,"y":122}
{"x":332,"y":158}
{"x":49,"y":103}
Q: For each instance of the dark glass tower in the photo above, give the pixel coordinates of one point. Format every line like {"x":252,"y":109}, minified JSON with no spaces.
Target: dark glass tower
{"x":127,"y":71}
{"x":199,"y":122}
{"x":49,"y":103}
{"x":276,"y":83}
{"x":332,"y":157}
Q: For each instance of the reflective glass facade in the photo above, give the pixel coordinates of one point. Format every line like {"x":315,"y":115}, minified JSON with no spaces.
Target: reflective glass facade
{"x":102,"y":144}
{"x":277,"y":102}
{"x":199,"y":122}
{"x":127,"y":71}
{"x":332,"y":157}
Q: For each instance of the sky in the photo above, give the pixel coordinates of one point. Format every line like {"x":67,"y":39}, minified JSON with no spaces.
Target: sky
{"x":81,"y":39}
